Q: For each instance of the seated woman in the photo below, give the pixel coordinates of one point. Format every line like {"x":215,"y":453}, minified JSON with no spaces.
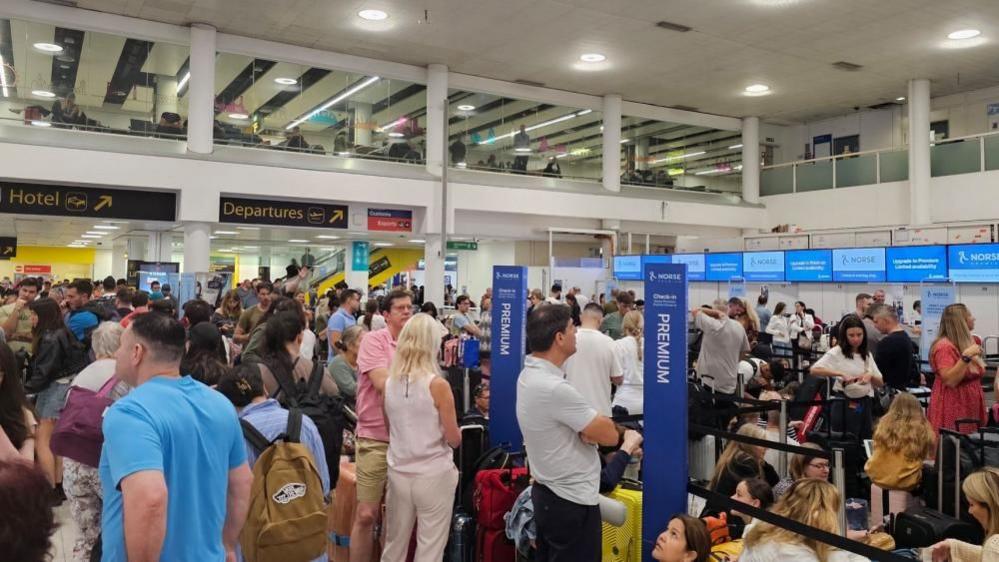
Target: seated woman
{"x":803,"y":466}
{"x":684,"y":540}
{"x":982,"y":490}
{"x":812,"y":502}
{"x":903,"y":439}
{"x":751,"y":491}
{"x":740,"y":461}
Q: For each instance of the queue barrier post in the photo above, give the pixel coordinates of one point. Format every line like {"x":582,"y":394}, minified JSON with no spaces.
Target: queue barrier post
{"x":839,"y":478}
{"x":782,"y":463}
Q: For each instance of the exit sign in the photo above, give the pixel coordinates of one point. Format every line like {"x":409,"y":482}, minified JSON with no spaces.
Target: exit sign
{"x":453,"y":245}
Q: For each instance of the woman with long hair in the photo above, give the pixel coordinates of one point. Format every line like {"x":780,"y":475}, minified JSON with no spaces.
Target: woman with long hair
{"x":754,"y":492}
{"x":254,"y":347}
{"x":903,"y":439}
{"x":53,"y":367}
{"x":372,"y":319}
{"x":29,"y":522}
{"x":423,"y":431}
{"x":16,"y":419}
{"x":956,"y":359}
{"x":205,"y":358}
{"x":343,"y":367}
{"x":803,"y":466}
{"x":982,"y":490}
{"x":684,"y":540}
{"x":740,"y":461}
{"x":630,"y":350}
{"x":281,"y":357}
{"x":811,"y":502}
{"x":856,"y":375}
{"x":227,"y":314}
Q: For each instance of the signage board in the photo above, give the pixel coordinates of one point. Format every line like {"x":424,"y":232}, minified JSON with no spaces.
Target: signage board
{"x":808,"y":266}
{"x":973,"y":263}
{"x":508,"y":339}
{"x":912,"y":264}
{"x":934,"y":299}
{"x":74,"y":201}
{"x":360,"y":256}
{"x":722,"y":267}
{"x":8,"y":247}
{"x":462,"y":245}
{"x":282,"y":213}
{"x":390,"y":220}
{"x":859,"y":265}
{"x":763,"y":266}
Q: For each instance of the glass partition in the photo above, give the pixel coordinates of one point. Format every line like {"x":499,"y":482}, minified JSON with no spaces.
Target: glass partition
{"x":662,"y":154}
{"x":856,"y":170}
{"x":991,"y":152}
{"x":496,"y":134}
{"x":955,"y":157}
{"x":297,"y":108}
{"x":894,"y":166}
{"x":813,"y":176}
{"x":777,"y":181}
{"x":61,"y":78}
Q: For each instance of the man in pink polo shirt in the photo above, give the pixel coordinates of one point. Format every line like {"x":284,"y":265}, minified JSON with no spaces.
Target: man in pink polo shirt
{"x":373,"y":361}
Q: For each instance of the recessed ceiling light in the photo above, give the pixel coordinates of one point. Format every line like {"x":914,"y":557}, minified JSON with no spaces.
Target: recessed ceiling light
{"x":41,"y":123}
{"x":735,"y":146}
{"x":418,"y":241}
{"x":624,"y":140}
{"x":396,"y":135}
{"x":961,"y":34}
{"x":43,"y":93}
{"x":239,"y":116}
{"x":105,"y":227}
{"x":592,"y":57}
{"x":327,"y":237}
{"x":217,"y":232}
{"x":373,"y":15}
{"x":297,"y":241}
{"x":247,"y":228}
{"x":466,"y":107}
{"x":90,"y":236}
{"x":48,"y":47}
{"x":383,"y":244}
{"x":343,"y":153}
{"x":96,"y":233}
{"x":522,"y":149}
{"x":286,"y":81}
{"x":900,"y":98}
{"x":757,"y":89}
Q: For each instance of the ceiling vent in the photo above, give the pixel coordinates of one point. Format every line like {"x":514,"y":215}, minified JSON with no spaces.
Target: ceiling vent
{"x":673,"y":26}
{"x":847,"y":66}
{"x":530,"y":83}
{"x":684,"y":107}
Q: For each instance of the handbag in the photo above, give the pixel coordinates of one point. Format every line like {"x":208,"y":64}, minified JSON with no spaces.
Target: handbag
{"x":890,"y":470}
{"x":78,"y":435}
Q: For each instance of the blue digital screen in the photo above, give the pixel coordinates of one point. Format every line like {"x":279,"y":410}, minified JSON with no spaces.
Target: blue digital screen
{"x":808,"y":266}
{"x":658,"y":258}
{"x":763,"y":266}
{"x":859,"y":265}
{"x":974,"y":263}
{"x":628,"y":268}
{"x":695,"y":265}
{"x":723,"y":267}
{"x":912,"y":264}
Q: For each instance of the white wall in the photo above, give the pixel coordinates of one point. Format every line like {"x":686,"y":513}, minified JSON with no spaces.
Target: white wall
{"x":475,"y":269}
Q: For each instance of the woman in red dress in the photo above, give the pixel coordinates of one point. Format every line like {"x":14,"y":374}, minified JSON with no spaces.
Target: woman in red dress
{"x":956,"y":358}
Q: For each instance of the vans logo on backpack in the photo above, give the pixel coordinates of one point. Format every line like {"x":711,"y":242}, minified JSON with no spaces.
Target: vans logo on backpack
{"x":289,"y":493}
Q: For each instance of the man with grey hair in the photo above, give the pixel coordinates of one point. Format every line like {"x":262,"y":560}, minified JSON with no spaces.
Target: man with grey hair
{"x":594,"y":366}
{"x":723,"y":345}
{"x":895,"y":353}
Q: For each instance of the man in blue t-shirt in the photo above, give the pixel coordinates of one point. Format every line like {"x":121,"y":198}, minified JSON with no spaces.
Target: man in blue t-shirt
{"x":81,"y":320}
{"x":343,"y":318}
{"x":173,"y":468}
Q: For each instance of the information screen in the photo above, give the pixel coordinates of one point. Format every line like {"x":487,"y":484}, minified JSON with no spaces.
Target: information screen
{"x":808,"y":266}
{"x":973,"y":263}
{"x":859,"y":265}
{"x":763,"y":266}
{"x":628,"y":268}
{"x":723,"y":267}
{"x":912,"y":264}
{"x":695,"y":265}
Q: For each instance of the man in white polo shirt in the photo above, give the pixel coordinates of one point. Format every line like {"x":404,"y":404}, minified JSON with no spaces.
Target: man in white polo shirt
{"x":561,"y":430}
{"x":594,"y":366}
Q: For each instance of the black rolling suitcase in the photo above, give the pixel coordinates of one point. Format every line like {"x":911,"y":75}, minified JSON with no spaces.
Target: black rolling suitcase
{"x":921,"y":527}
{"x":461,"y":542}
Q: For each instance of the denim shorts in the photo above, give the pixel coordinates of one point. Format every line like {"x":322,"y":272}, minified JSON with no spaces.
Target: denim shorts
{"x":50,"y":401}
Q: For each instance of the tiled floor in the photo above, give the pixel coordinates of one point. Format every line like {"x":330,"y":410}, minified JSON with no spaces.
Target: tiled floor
{"x":65,"y":535}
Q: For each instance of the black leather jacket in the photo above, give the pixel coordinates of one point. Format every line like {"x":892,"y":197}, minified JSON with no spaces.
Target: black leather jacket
{"x":50,"y":361}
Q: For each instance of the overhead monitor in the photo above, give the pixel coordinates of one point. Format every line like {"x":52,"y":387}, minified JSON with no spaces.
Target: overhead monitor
{"x":912,"y":264}
{"x":763,"y":266}
{"x":628,"y":268}
{"x":973,"y":263}
{"x":695,"y":265}
{"x":723,"y":267}
{"x":859,"y":265}
{"x":808,"y":266}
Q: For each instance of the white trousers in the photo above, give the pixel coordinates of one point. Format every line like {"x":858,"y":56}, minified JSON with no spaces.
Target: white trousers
{"x":426,"y":501}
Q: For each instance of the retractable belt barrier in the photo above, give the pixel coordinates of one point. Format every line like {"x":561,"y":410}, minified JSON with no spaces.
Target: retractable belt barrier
{"x":776,"y":445}
{"x":629,"y":418}
{"x":794,"y":526}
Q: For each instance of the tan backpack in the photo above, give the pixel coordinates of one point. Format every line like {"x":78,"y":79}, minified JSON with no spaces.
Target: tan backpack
{"x":287,"y":517}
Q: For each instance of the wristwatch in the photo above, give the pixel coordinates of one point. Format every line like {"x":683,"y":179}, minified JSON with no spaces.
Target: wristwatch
{"x":966,"y":358}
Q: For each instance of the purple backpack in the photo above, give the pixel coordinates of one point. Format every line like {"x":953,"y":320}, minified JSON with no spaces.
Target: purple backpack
{"x":78,"y":435}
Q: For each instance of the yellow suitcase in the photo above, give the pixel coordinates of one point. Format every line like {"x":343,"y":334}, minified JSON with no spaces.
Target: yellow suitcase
{"x":624,"y":543}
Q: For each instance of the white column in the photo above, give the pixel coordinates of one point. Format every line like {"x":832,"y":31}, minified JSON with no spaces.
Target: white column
{"x":354,"y":279}
{"x":196,"y":247}
{"x":436,"y":118}
{"x":919,"y":152}
{"x":201,"y":89}
{"x":160,"y":247}
{"x":119,"y":261}
{"x":363,"y":124}
{"x":612,"y":143}
{"x":433,"y":273}
{"x":751,"y":159}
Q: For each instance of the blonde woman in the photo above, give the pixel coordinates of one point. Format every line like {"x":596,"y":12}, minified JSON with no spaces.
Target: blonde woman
{"x":812,"y":502}
{"x":803,"y":466}
{"x":902,"y":440}
{"x":343,"y":367}
{"x":956,"y":359}
{"x":629,"y":350}
{"x":982,"y":490}
{"x":740,"y":461}
{"x":423,"y":430}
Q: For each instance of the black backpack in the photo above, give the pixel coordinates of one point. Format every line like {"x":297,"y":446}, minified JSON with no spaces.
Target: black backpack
{"x":326,"y":412}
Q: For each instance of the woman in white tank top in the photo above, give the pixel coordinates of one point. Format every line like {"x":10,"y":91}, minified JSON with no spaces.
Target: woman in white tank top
{"x":423,"y":430}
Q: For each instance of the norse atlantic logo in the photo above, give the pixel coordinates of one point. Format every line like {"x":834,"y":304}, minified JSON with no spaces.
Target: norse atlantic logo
{"x":289,"y":493}
{"x":668,"y":277}
{"x":962,"y":256}
{"x":501,"y":275}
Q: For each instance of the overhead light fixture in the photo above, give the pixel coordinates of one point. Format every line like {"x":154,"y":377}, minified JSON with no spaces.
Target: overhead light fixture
{"x":592,"y":57}
{"x":418,"y":241}
{"x":956,"y":35}
{"x":680,"y":157}
{"x":383,"y":244}
{"x":900,"y":98}
{"x":757,"y":90}
{"x":90,"y":236}
{"x":522,"y":149}
{"x":286,"y":81}
{"x":251,"y":247}
{"x":327,"y":237}
{"x":183,"y":82}
{"x":344,"y":153}
{"x":75,"y":245}
{"x":3,"y":77}
{"x":466,"y":107}
{"x":396,"y":135}
{"x":225,"y":232}
{"x":105,"y":227}
{"x":238,"y":116}
{"x":48,"y":47}
{"x":38,"y":123}
{"x":333,"y":102}
{"x":42,"y":93}
{"x":95,"y":233}
{"x":393,"y":124}
{"x":247,"y":228}
{"x":579,"y":113}
{"x":373,"y":15}
{"x":298,"y":241}
{"x":706,"y":172}
{"x":624,"y":140}
{"x":735,"y":146}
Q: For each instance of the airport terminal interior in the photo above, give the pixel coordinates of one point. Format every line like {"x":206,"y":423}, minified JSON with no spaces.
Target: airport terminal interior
{"x":769,"y":218}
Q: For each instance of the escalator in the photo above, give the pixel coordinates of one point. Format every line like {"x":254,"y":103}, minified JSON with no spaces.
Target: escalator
{"x":383,"y":264}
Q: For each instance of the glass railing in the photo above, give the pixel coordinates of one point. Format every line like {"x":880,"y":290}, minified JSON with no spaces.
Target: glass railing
{"x":32,"y":117}
{"x":965,"y":155}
